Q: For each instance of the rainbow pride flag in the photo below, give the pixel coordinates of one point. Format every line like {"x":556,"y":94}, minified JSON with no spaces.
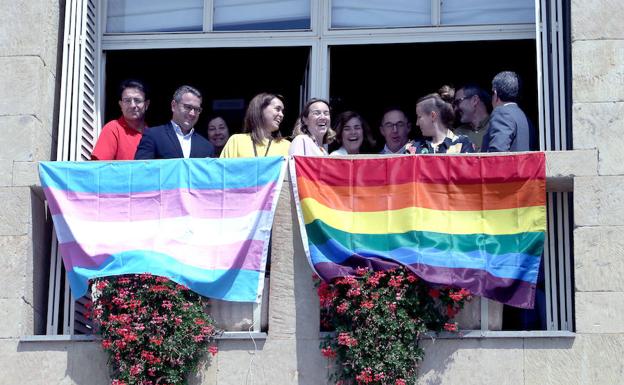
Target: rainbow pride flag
{"x":476,"y":222}
{"x":204,"y":223}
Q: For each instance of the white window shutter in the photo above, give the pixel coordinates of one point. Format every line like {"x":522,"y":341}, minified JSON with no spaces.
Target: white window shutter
{"x":79,"y":118}
{"x":79,"y":127}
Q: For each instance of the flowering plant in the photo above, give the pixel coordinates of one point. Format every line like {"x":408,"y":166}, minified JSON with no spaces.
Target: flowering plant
{"x":154,"y":330}
{"x":378,"y":318}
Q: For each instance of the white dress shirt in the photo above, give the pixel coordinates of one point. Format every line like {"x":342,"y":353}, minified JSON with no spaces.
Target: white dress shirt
{"x":185,"y":140}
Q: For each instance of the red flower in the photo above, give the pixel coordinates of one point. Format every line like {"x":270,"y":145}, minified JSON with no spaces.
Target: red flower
{"x":101,"y":285}
{"x":434,"y":293}
{"x":328,"y":352}
{"x":361,"y":271}
{"x":392,"y":307}
{"x":213,"y":350}
{"x":198,"y":338}
{"x":451,"y":311}
{"x":368,"y":305}
{"x":354,"y":292}
{"x":156,"y":341}
{"x":400,"y":381}
{"x":450,"y":327}
{"x":106,"y":344}
{"x":136,"y":369}
{"x":346,"y":340}
{"x":396,"y":281}
{"x":412,"y":278}
{"x":342,"y":308}
{"x":365,"y":376}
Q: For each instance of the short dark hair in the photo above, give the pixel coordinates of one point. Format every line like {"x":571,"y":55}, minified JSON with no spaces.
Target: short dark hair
{"x":472,"y":89}
{"x":133,"y":83}
{"x":185,"y":89}
{"x":507,"y":84}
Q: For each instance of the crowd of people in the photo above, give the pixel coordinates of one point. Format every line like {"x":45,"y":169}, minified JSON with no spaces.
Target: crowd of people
{"x":464,"y":120}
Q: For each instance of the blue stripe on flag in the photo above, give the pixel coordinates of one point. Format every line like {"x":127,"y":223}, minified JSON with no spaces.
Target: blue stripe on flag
{"x":512,"y":265}
{"x":121,"y":177}
{"x":228,"y":285}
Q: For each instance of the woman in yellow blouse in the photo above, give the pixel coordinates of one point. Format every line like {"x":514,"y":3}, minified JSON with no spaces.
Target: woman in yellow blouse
{"x":261,"y":135}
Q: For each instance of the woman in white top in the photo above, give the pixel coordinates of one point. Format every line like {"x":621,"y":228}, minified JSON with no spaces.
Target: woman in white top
{"x":312,"y":132}
{"x":353,"y":134}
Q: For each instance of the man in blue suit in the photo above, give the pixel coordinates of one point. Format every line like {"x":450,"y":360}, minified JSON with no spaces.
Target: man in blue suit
{"x":177,"y":139}
{"x":510,"y":130}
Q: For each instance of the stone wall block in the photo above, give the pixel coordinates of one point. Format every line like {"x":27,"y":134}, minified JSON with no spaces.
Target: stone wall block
{"x":600,"y":125}
{"x":601,"y":79}
{"x":30,"y":28}
{"x":472,"y":362}
{"x":6,"y":172}
{"x":25,"y":173}
{"x":584,"y":360}
{"x":282,"y":309}
{"x":594,"y":20}
{"x":14,"y":252}
{"x":600,"y":312}
{"x":15,"y":211}
{"x":17,"y":142}
{"x":599,"y":201}
{"x":29,"y":90}
{"x":571,"y":163}
{"x":12,"y":320}
{"x":599,"y":258}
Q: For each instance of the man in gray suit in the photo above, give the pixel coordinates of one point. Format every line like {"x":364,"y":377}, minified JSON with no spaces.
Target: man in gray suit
{"x":510,"y":130}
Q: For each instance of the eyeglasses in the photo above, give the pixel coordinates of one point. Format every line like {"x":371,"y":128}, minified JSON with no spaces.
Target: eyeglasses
{"x":318,"y":113}
{"x":398,"y":125}
{"x":128,"y":101}
{"x":189,"y":108}
{"x":457,"y":101}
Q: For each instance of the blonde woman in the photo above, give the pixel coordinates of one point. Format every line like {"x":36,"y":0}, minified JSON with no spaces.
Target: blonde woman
{"x":435,"y":118}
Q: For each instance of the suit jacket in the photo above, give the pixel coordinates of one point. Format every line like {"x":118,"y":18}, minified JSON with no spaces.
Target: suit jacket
{"x":509,"y":130}
{"x":161,"y":142}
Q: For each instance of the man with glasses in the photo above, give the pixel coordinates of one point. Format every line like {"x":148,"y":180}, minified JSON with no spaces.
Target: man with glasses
{"x":471,"y":108}
{"x":510,"y":129}
{"x":120,"y":137}
{"x":394,"y":128}
{"x":177,"y":139}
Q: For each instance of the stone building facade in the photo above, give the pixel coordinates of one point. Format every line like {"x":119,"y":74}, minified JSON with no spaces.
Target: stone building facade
{"x":30,"y":46}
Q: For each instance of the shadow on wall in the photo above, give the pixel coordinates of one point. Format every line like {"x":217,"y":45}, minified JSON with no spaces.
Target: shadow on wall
{"x":85,"y":362}
{"x":41,"y":242}
{"x":480,"y":361}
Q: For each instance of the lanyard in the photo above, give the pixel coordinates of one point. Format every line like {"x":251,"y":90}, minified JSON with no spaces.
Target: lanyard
{"x":267,"y":150}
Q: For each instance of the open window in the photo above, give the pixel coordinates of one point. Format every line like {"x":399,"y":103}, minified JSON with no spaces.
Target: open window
{"x":340,"y":49}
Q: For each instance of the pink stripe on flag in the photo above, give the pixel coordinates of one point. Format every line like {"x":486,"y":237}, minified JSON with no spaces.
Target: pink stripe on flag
{"x":244,"y":255}
{"x":207,"y":204}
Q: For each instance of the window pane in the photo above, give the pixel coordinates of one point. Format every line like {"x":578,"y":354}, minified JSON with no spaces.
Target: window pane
{"x":375,"y":13}
{"x":241,"y":15}
{"x":154,"y":15}
{"x":474,"y":12}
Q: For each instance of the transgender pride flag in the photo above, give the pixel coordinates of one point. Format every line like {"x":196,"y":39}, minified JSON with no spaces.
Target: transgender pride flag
{"x":204,"y":223}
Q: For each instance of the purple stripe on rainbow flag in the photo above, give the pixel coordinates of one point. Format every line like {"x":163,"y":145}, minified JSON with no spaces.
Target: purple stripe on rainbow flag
{"x":150,"y":205}
{"x":509,"y":291}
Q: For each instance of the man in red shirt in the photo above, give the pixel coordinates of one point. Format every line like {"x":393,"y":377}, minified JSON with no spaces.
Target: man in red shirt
{"x":119,"y":138}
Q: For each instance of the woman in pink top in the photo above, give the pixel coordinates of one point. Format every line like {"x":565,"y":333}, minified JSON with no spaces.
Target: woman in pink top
{"x":312,"y":132}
